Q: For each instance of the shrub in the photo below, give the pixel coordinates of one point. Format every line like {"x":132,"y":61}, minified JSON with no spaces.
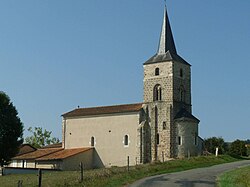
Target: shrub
{"x":248,"y":150}
{"x":238,"y":148}
{"x":213,"y":142}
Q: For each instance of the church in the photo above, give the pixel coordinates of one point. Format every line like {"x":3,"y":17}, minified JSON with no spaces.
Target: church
{"x":160,"y":128}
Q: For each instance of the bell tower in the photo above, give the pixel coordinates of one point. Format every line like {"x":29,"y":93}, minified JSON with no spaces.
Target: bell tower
{"x":167,"y":92}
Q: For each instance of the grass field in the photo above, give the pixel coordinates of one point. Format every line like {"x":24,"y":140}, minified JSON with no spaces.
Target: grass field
{"x":115,"y":176}
{"x":236,"y":178}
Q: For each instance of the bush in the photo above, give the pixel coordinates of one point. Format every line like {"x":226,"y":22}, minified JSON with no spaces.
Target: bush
{"x":238,"y":148}
{"x":213,"y":142}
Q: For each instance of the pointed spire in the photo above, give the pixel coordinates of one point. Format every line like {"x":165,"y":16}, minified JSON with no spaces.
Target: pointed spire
{"x":166,"y":39}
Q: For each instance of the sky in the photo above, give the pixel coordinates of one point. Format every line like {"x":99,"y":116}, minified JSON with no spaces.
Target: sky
{"x":56,"y":55}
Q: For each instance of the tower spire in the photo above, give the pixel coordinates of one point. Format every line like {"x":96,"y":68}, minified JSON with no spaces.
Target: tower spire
{"x":166,"y":39}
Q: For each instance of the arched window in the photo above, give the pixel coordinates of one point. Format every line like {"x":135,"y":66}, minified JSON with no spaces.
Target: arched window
{"x":195,"y":138}
{"x":126,"y":140}
{"x":182,"y":94}
{"x":164,"y":126}
{"x":156,"y":117}
{"x":157,"y":71}
{"x":181,"y":72}
{"x":92,"y":141}
{"x":157,"y":93}
{"x":157,"y":139}
{"x":179,"y":141}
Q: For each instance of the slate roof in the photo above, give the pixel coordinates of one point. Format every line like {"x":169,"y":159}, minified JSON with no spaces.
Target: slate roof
{"x":36,"y":154}
{"x":168,"y":56}
{"x":62,"y":154}
{"x":183,"y":113}
{"x":166,"y":38}
{"x":104,"y":110}
{"x":166,"y":49}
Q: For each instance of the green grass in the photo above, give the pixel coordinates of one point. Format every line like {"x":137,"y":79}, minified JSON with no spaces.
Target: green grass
{"x":115,"y":176}
{"x":236,"y":178}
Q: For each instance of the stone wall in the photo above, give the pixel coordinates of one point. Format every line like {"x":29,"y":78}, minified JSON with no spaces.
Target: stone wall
{"x":164,"y":79}
{"x":181,"y":83}
{"x":175,"y":82}
{"x":187,"y":130}
{"x":160,"y":111}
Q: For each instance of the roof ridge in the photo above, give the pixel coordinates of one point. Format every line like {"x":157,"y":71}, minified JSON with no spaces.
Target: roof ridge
{"x":111,"y":105}
{"x":33,"y":152}
{"x":104,"y":110}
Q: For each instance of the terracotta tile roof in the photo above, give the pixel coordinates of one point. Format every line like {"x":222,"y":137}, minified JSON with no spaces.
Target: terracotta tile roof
{"x":25,"y":148}
{"x":63,"y":154}
{"x":104,"y":110}
{"x":56,"y":145}
{"x":36,"y":154}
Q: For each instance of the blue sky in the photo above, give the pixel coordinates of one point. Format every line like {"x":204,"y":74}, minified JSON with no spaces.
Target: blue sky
{"x":58,"y":54}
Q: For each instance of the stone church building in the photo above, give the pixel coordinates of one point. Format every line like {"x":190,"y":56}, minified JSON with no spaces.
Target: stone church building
{"x":158,"y":129}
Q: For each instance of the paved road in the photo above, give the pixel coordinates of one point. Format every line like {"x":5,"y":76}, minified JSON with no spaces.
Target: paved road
{"x":201,"y":177}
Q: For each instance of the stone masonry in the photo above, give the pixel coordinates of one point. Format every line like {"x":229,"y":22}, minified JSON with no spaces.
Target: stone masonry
{"x":172,"y":129}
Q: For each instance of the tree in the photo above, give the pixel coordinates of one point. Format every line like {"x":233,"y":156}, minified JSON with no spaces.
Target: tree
{"x":40,"y":137}
{"x":238,"y":148}
{"x":248,"y":150}
{"x":248,"y":146}
{"x":11,"y":130}
{"x":213,"y":142}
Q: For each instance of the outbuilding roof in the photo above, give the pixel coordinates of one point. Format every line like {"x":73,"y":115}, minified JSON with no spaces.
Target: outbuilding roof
{"x":37,"y":154}
{"x":104,"y":110}
{"x":62,"y":154}
{"x":51,"y":154}
{"x":56,"y":145}
{"x":25,"y":148}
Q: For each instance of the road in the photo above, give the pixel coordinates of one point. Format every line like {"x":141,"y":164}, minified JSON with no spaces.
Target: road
{"x":201,"y":177}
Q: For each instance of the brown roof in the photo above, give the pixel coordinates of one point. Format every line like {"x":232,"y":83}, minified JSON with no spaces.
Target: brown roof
{"x":104,"y":110}
{"x":25,"y":148}
{"x":56,"y":145}
{"x":36,"y":154}
{"x":63,"y":154}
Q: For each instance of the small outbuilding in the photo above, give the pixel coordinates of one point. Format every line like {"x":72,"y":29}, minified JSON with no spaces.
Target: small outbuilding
{"x":54,"y":157}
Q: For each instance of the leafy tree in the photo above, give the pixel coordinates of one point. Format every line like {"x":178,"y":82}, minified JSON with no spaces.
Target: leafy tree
{"x":213,"y":142}
{"x":238,"y":148}
{"x":40,"y":137}
{"x":248,"y":151}
{"x":248,"y":146}
{"x":11,"y":130}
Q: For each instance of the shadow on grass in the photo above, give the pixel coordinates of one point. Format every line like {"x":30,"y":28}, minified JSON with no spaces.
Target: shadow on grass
{"x":239,"y":157}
